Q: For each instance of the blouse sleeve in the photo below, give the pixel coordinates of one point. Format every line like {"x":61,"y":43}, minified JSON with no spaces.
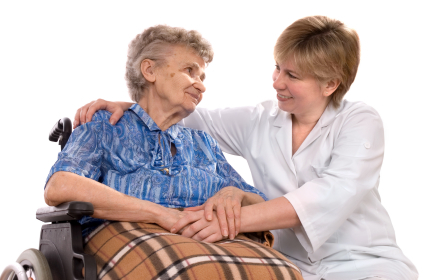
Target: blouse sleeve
{"x":82,"y":154}
{"x":229,"y":126}
{"x":324,"y":204}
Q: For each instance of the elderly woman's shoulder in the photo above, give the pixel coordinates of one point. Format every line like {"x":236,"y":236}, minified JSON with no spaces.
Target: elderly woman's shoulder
{"x":104,"y":116}
{"x":198,"y":136}
{"x":101,"y":115}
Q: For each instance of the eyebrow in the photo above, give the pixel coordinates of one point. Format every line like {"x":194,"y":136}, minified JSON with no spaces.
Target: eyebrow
{"x":197,"y":66}
{"x":288,"y":70}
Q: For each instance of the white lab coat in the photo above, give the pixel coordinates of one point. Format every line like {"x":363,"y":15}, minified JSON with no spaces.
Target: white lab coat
{"x":331,"y":181}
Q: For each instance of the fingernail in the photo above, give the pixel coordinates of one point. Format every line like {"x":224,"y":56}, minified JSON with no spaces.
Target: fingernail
{"x":111,"y":122}
{"x":173,"y":230}
{"x":225,"y":233}
{"x":236,"y":233}
{"x":231,"y":237}
{"x":209,"y":217}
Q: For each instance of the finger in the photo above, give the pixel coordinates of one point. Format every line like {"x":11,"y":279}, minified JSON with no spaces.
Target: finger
{"x":208,"y":209}
{"x":230,"y":217}
{"x":220,"y":212}
{"x":116,"y":115}
{"x":203,"y":233}
{"x":237,"y":215}
{"x":180,"y":224}
{"x":195,"y":208}
{"x":83,"y":110}
{"x":99,"y":104}
{"x":76,"y":121}
{"x":181,"y":231}
{"x":194,"y":228}
{"x":213,"y":238}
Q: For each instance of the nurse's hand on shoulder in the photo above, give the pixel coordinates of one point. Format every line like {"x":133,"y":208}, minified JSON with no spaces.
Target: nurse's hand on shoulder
{"x":85,"y":113}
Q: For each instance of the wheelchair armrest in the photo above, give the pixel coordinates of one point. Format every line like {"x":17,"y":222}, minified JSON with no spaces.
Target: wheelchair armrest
{"x":68,"y":211}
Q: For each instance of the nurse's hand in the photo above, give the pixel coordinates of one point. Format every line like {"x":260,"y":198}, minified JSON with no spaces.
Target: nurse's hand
{"x":85,"y":113}
{"x":227,"y":202}
{"x":195,"y":225}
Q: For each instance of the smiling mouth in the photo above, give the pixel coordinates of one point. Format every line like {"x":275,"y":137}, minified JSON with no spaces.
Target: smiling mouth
{"x":283,"y":96}
{"x":195,"y":96}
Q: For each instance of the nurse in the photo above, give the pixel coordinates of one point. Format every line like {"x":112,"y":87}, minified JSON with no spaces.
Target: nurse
{"x":316,"y":156}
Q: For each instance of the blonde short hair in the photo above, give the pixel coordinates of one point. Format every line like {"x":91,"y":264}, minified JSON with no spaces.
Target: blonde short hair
{"x":324,"y":48}
{"x":154,"y":43}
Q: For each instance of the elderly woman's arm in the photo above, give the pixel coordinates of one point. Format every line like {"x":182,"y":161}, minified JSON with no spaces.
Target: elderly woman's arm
{"x":108,"y":203}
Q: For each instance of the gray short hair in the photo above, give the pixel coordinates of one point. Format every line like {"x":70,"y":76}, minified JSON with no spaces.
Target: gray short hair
{"x":154,"y":44}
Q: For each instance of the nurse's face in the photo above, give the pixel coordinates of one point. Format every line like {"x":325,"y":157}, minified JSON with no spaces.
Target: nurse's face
{"x":298,"y":93}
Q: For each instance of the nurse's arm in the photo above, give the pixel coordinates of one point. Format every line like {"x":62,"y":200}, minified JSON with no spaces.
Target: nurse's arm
{"x":273,"y":214}
{"x":108,"y":203}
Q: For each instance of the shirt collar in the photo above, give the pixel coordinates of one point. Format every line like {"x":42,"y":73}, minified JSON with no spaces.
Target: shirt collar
{"x":173,"y":130}
{"x":327,"y":117}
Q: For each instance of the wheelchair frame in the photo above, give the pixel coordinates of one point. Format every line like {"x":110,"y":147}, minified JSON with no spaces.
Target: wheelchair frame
{"x":60,"y":243}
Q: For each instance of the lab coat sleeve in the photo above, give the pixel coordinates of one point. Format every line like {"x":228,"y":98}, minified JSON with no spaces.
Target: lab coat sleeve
{"x":324,"y":204}
{"x":231,"y":127}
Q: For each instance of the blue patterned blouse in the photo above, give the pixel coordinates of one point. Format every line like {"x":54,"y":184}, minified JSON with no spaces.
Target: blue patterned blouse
{"x":129,"y":158}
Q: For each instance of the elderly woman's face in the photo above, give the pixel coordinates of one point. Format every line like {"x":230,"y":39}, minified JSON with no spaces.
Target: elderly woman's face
{"x":297,"y":93}
{"x":179,"y":82}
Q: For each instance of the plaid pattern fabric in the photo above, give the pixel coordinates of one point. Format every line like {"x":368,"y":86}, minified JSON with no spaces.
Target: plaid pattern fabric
{"x":125,"y":250}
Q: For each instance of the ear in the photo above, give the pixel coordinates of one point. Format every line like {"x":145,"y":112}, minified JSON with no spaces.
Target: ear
{"x":147,"y":68}
{"x":330,"y":86}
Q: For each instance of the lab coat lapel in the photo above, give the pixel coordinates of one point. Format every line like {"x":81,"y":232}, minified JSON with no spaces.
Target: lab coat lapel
{"x":284,"y":137}
{"x":327,"y":117}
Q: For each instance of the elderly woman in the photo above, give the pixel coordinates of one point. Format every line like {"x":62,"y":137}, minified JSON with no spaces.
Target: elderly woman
{"x":139,"y":170}
{"x":316,"y":156}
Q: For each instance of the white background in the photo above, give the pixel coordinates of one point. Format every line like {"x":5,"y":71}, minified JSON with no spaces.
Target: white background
{"x":55,"y":57}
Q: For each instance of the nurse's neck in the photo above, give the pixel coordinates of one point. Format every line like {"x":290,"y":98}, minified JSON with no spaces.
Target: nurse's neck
{"x":308,"y":120}
{"x":302,"y":125}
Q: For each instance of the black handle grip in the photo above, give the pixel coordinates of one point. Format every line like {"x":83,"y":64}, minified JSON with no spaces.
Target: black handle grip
{"x":61,"y":132}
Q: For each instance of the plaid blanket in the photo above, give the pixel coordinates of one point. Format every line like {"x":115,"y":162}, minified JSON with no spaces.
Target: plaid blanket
{"x":125,"y":250}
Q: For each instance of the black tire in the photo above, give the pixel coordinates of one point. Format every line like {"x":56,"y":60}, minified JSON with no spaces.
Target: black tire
{"x":36,"y":260}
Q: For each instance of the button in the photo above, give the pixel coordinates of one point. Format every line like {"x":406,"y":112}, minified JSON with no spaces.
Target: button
{"x":367,"y":145}
{"x":166,"y":171}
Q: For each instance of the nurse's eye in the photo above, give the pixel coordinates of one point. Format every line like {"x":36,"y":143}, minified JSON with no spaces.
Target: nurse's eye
{"x":291,"y":75}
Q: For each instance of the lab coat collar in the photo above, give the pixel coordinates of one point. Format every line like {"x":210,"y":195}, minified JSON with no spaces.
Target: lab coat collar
{"x":283,"y":120}
{"x":327,"y":117}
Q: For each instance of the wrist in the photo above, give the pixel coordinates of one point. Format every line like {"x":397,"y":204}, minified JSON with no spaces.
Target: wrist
{"x":154,"y":212}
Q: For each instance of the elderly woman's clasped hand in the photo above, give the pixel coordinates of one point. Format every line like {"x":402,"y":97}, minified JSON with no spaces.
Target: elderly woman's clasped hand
{"x":227,"y":205}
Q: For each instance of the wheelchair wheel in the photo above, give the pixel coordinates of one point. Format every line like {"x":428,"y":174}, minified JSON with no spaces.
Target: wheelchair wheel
{"x":35,"y":265}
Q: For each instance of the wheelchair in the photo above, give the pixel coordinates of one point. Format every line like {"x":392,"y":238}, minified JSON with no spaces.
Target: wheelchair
{"x":60,"y":255}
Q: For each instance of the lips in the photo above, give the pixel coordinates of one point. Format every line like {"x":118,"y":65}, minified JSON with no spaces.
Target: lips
{"x":284,"y":96}
{"x":195,"y":96}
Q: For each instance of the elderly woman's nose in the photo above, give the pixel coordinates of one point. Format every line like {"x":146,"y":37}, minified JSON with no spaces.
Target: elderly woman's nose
{"x":199,"y":85}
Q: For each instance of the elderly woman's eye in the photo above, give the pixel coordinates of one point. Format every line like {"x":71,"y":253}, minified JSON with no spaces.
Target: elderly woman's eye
{"x":277,"y":67}
{"x":189,"y":69}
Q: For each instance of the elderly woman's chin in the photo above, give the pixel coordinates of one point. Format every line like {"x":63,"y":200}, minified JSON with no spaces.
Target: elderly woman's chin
{"x":192,"y":102}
